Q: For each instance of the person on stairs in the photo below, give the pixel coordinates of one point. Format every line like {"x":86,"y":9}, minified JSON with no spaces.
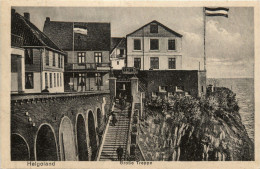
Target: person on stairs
{"x":114,"y":120}
{"x":119,"y":152}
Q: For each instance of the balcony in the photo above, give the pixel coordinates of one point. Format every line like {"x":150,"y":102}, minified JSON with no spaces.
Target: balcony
{"x":121,"y":56}
{"x":83,"y":67}
{"x":16,"y":41}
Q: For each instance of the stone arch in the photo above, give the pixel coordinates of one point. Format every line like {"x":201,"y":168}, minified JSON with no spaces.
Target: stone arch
{"x":20,"y":150}
{"x":99,"y":117}
{"x":81,"y":138}
{"x":66,"y":140}
{"x":46,"y":148}
{"x":92,"y":134}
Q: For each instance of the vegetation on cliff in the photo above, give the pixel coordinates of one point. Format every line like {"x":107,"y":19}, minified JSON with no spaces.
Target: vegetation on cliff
{"x":201,"y":129}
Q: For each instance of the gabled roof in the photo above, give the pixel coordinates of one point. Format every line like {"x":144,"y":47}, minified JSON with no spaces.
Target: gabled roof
{"x":97,"y":37}
{"x":30,"y":34}
{"x":117,"y":43}
{"x":114,"y":42}
{"x":154,"y":21}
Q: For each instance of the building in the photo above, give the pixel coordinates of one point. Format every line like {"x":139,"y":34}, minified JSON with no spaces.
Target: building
{"x":154,"y":47}
{"x":154,"y":56}
{"x":37,"y":63}
{"x":117,"y":53}
{"x":87,"y":64}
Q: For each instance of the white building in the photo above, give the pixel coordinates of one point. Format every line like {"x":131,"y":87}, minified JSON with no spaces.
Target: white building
{"x":154,"y":47}
{"x":117,"y":54}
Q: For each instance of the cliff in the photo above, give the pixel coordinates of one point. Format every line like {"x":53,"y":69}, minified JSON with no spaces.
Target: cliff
{"x":191,"y":129}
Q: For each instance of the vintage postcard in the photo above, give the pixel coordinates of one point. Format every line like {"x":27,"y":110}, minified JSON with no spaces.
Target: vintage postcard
{"x":114,"y":84}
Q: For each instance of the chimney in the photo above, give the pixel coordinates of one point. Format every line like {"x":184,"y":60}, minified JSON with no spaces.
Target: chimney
{"x":27,"y":16}
{"x":47,"y":19}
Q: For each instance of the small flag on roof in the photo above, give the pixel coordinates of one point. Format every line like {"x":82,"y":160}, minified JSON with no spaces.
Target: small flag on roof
{"x":82,"y":31}
{"x":220,"y":11}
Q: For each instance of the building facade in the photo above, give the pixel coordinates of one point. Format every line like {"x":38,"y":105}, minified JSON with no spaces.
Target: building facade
{"x":154,"y":47}
{"x":118,"y":53}
{"x":87,"y":64}
{"x":37,"y":63}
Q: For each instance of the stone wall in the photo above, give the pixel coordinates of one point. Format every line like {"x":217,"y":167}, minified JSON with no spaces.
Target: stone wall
{"x":28,"y":115}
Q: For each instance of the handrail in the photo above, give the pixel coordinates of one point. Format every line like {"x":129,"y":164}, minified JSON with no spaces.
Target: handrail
{"x":129,"y":131}
{"x":142,"y":153}
{"x":104,"y":137}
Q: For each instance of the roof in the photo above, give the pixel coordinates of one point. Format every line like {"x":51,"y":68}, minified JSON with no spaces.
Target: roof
{"x":30,"y":34}
{"x":117,"y":43}
{"x":97,"y":37}
{"x":154,"y":21}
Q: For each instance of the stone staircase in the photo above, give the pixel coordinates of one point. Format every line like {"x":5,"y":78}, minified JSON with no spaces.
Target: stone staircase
{"x":116,"y":135}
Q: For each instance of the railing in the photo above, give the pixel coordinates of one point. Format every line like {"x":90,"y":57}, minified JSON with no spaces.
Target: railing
{"x":120,"y":56}
{"x":141,"y":151}
{"x":129,"y":70}
{"x":103,"y":137}
{"x":130,"y":128}
{"x":87,"y":66}
{"x":16,"y":41}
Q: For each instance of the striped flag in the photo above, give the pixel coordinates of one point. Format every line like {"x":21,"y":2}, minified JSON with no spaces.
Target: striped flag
{"x":80,"y":31}
{"x":216,"y":11}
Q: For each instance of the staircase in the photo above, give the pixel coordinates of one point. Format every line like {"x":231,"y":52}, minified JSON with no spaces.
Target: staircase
{"x":116,"y":135}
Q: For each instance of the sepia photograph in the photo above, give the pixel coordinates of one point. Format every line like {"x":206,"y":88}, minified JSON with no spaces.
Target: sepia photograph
{"x":132,"y":85}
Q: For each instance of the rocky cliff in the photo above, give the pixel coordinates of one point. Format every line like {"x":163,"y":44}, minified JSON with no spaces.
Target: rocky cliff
{"x":191,"y":129}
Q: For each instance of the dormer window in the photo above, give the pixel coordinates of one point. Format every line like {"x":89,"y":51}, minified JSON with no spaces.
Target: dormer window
{"x":154,"y":28}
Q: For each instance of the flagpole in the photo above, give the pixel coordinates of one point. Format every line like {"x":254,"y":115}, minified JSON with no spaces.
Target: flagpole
{"x":204,"y":36}
{"x":73,"y":51}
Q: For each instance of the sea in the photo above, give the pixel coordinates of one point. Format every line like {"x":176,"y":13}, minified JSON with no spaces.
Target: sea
{"x":244,"y":89}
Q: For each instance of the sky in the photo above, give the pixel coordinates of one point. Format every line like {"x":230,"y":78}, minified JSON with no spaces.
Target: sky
{"x":229,"y":41}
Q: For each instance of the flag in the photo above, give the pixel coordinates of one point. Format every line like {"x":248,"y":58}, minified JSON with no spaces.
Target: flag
{"x":216,"y":11}
{"x":80,"y":31}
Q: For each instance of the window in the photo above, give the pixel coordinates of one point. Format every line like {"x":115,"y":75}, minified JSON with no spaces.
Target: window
{"x":28,"y":56}
{"x":81,"y":79}
{"x":153,"y":28}
{"x":171,"y":44}
{"x":172,"y":63}
{"x":137,"y":44}
{"x":53,"y":59}
{"x":117,"y":62}
{"x":98,"y":79}
{"x":154,"y":44}
{"x":50,"y":80}
{"x":98,"y":57}
{"x":59,"y":61}
{"x":154,"y":62}
{"x":46,"y":80}
{"x":58,"y":79}
{"x":54,"y":79}
{"x":137,"y":63}
{"x":28,"y":80}
{"x":122,"y":52}
{"x":202,"y":89}
{"x":81,"y":57}
{"x":47,"y":57}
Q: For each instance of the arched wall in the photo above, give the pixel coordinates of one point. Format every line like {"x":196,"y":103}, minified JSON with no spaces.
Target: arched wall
{"x":20,"y":150}
{"x":67,"y":140}
{"x":44,"y":148}
{"x":81,"y":138}
{"x":91,"y":126}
